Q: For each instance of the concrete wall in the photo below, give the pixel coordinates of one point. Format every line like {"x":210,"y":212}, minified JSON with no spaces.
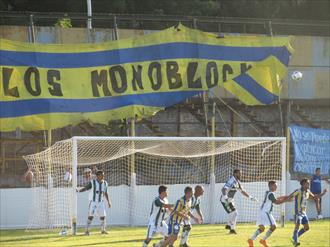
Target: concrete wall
{"x":16,"y":205}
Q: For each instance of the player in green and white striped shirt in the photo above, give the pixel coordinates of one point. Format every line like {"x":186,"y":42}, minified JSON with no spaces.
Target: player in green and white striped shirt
{"x":157,"y":223}
{"x":265,"y":218}
{"x":98,"y":191}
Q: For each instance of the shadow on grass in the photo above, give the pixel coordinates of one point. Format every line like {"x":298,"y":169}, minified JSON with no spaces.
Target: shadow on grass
{"x":111,"y":242}
{"x":19,"y":239}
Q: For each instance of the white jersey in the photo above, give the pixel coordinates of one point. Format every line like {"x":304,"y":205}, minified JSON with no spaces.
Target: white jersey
{"x":232,"y":185}
{"x":157,"y":213}
{"x":267,"y":204}
{"x":97,"y":190}
{"x":195,"y":203}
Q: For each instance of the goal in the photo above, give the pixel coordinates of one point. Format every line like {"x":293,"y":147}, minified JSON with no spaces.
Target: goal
{"x":135,"y":166}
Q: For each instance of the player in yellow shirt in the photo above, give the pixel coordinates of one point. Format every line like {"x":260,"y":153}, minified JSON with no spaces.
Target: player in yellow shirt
{"x":180,"y":213}
{"x":300,"y":203}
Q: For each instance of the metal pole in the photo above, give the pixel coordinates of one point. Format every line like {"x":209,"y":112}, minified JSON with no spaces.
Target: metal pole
{"x":31,"y":30}
{"x":115,"y":28}
{"x":284,"y":178}
{"x":133,"y":175}
{"x":49,"y":138}
{"x":212,"y":195}
{"x":204,"y":96}
{"x":270,"y":28}
{"x":178,"y":120}
{"x":3,"y":154}
{"x":89,"y":14}
{"x":89,"y":21}
{"x":31,"y":35}
{"x":205,"y":106}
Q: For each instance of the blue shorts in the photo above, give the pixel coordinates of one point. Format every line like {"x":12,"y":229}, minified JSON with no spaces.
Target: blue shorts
{"x":173,"y":228}
{"x":301,"y":219}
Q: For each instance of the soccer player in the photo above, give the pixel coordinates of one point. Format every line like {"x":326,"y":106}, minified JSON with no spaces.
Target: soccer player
{"x":227,"y":199}
{"x":316,"y":189}
{"x":86,"y":177}
{"x":265,"y":218}
{"x":99,"y":191}
{"x":195,"y":205}
{"x":300,"y":203}
{"x":157,"y":223}
{"x":180,"y":212}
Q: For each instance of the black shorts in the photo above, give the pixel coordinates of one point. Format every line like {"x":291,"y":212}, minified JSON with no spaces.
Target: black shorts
{"x":229,"y":207}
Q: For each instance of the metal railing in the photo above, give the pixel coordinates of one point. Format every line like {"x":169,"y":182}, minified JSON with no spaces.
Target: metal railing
{"x":156,"y":22}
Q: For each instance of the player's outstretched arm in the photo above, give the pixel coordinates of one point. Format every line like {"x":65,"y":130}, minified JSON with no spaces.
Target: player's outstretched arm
{"x":107,"y":198}
{"x":293,"y":194}
{"x":199,"y":212}
{"x":280,"y":200}
{"x":194,"y":217}
{"x":323,"y":192}
{"x":85,"y":188}
{"x":248,"y":196}
{"x":169,"y":207}
{"x":319,"y":195}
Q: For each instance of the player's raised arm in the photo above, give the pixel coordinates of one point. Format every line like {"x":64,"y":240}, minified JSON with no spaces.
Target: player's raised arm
{"x":318,"y":196}
{"x":85,"y":188}
{"x":292,"y":195}
{"x":159,"y":203}
{"x":323,"y":193}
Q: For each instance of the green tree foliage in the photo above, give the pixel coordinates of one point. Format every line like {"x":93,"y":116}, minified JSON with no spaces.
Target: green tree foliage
{"x":64,"y":22}
{"x":284,"y":9}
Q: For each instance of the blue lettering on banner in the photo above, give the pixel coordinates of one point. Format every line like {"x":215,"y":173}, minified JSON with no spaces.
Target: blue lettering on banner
{"x":311,"y":149}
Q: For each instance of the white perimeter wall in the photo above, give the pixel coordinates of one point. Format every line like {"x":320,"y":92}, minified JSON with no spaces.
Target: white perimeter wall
{"x":15,"y":204}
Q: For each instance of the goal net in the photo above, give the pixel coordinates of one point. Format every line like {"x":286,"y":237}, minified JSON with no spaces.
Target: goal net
{"x":134,"y":167}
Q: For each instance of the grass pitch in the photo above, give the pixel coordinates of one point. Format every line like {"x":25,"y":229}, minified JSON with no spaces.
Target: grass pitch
{"x":201,"y":236}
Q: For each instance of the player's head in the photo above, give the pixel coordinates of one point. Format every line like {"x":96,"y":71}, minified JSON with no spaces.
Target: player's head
{"x":272,"y":185}
{"x":199,"y":190}
{"x":100,"y":175}
{"x":162,"y":190}
{"x":188,"y":191}
{"x":87,"y":172}
{"x":305,"y":183}
{"x":237,"y":173}
{"x":318,"y":171}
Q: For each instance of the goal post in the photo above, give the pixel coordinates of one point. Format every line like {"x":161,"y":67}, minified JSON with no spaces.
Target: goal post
{"x":74,"y":185}
{"x":135,"y":166}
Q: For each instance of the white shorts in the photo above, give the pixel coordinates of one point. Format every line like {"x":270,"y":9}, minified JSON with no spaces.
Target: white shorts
{"x":265,"y":219}
{"x":162,"y":229}
{"x":97,"y":209}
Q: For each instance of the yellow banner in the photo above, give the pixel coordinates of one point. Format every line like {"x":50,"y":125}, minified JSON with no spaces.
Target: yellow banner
{"x":46,"y":86}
